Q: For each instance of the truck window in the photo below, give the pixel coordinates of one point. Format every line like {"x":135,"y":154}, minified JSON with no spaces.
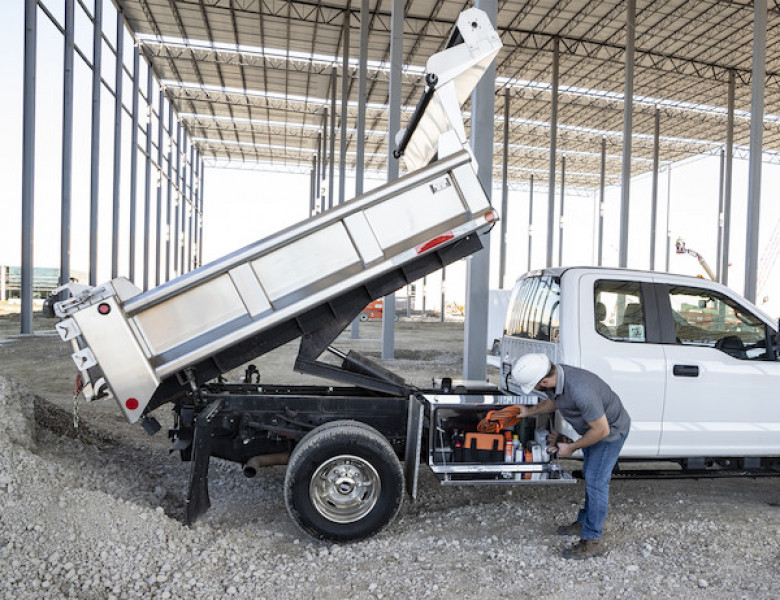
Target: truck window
{"x":706,"y":318}
{"x":534,"y":309}
{"x":618,"y":311}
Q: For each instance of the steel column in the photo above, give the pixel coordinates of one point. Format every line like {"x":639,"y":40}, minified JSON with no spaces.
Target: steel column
{"x":393,"y":127}
{"x":504,"y":192}
{"x":191,"y":208}
{"x":668,"y":216}
{"x":28,"y":162}
{"x":312,"y":185}
{"x":560,"y":217}
{"x":628,"y":107}
{"x":443,"y":293}
{"x":134,"y":161}
{"x":719,"y":251}
{"x":602,"y":187}
{"x":67,"y":144}
{"x":478,"y":264}
{"x":344,"y":101}
{"x":319,"y":162}
{"x":530,"y":221}
{"x":758,"y":84}
{"x":654,"y":201}
{"x":332,"y":164}
{"x":148,"y":176}
{"x":724,"y":266}
{"x":94,"y":191}
{"x":324,"y":162}
{"x":175,"y":243}
{"x":553,"y":147}
{"x":118,"y":80}
{"x":158,"y":237}
{"x":361,"y":119}
{"x":183,"y":201}
{"x":202,"y":195}
{"x":196,"y":210}
{"x":169,"y":199}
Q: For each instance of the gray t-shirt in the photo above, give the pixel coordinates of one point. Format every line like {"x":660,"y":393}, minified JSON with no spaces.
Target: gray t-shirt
{"x":583,"y":397}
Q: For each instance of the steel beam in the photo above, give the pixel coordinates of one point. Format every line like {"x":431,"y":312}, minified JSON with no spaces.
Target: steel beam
{"x":628,"y":107}
{"x":393,"y":127}
{"x":654,"y":192}
{"x":344,"y":102}
{"x":94,"y":161}
{"x":147,"y":177}
{"x":28,"y":163}
{"x":312,"y":185}
{"x":504,"y":192}
{"x":118,"y":80}
{"x":134,"y":161}
{"x":757,"y":88}
{"x":602,"y":190}
{"x":478,"y":264}
{"x":67,"y":143}
{"x":553,"y":146}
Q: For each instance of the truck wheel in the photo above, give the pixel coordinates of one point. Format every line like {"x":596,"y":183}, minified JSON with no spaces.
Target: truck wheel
{"x":344,"y":482}
{"x":364,"y":317}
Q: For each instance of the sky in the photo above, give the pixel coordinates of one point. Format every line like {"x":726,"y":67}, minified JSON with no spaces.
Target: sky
{"x":244,"y":206}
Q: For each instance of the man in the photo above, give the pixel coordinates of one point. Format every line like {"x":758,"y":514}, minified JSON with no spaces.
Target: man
{"x":596,"y":413}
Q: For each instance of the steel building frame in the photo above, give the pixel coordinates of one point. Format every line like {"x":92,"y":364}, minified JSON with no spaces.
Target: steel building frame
{"x":617,"y":87}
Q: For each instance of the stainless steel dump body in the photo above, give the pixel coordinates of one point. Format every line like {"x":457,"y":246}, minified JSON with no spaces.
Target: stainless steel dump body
{"x":128,"y":343}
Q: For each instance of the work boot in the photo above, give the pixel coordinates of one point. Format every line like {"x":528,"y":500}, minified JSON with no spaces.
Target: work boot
{"x":573,"y":529}
{"x":585,"y":549}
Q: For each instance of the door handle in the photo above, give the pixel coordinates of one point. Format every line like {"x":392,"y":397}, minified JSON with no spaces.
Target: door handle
{"x":686,"y":370}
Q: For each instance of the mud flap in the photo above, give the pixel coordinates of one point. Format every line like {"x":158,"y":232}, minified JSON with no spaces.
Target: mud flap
{"x":197,"y":501}
{"x":414,"y":425}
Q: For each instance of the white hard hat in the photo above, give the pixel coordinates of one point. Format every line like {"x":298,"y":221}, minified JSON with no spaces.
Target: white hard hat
{"x":529,"y":370}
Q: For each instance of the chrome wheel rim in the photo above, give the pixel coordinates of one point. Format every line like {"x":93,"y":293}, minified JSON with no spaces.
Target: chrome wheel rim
{"x":345,"y":488}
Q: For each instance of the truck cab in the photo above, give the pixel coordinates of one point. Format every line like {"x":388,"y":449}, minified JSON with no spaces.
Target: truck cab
{"x":693,"y":362}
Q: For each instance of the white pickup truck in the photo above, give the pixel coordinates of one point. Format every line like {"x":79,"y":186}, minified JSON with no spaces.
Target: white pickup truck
{"x":694,"y":363}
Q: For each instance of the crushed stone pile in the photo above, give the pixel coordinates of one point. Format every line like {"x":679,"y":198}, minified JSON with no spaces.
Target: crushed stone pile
{"x":86,"y":515}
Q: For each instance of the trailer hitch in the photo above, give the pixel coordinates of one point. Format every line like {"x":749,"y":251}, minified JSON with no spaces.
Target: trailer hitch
{"x":197,"y":501}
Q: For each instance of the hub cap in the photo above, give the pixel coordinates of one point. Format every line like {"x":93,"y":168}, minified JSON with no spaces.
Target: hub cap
{"x":345,"y":488}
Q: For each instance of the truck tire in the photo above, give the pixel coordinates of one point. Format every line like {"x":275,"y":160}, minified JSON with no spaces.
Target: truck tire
{"x":344,"y":482}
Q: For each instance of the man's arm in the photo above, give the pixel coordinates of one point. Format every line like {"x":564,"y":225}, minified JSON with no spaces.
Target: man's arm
{"x":599,"y":429}
{"x":544,"y":407}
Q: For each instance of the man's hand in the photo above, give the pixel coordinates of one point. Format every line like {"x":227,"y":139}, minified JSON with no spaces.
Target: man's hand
{"x":565,"y":450}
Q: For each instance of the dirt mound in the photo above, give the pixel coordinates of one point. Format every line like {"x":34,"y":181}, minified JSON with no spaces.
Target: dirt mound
{"x":17,"y":407}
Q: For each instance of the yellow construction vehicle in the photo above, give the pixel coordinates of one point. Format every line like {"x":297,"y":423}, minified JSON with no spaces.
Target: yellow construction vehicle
{"x":681,"y":249}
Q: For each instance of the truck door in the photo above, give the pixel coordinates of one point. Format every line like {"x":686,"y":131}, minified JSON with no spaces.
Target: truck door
{"x":619,"y":341}
{"x":721,"y":393}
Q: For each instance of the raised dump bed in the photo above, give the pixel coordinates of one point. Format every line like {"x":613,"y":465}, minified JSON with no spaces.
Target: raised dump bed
{"x":308,"y":280}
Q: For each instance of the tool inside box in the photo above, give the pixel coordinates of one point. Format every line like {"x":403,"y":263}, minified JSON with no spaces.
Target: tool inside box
{"x":458,"y":441}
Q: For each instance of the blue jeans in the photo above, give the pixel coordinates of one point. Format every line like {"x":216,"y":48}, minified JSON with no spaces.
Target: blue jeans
{"x":600,"y":459}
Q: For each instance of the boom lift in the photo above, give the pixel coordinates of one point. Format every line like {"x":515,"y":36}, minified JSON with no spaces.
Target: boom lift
{"x":168,"y":345}
{"x":681,"y":249}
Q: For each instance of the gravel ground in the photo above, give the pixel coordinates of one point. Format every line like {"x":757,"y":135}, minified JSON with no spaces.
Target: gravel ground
{"x":97,"y":513}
